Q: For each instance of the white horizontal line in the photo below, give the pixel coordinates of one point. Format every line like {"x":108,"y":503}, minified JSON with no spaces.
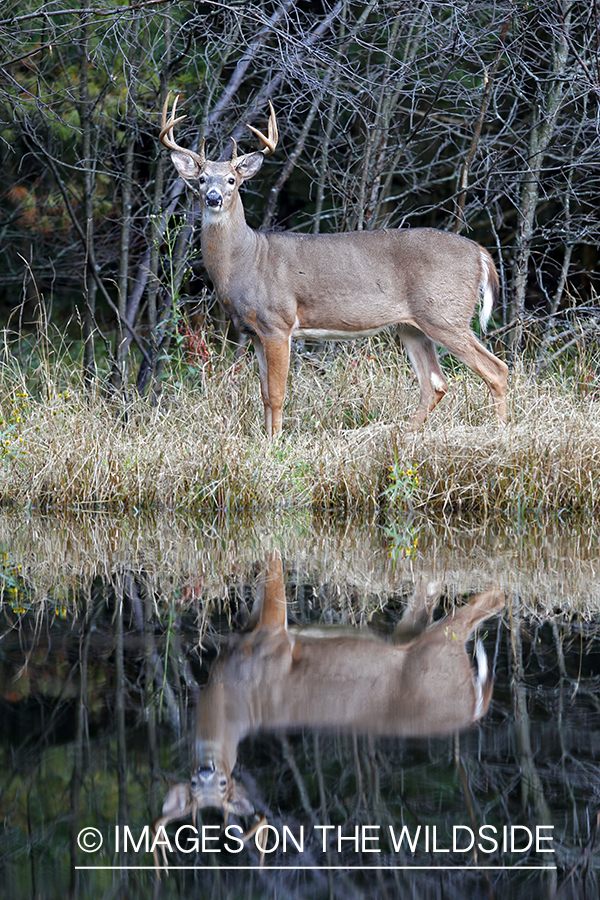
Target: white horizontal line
{"x":321,"y":868}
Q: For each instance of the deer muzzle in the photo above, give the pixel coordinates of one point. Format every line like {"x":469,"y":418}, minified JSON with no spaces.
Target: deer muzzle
{"x":214,"y":199}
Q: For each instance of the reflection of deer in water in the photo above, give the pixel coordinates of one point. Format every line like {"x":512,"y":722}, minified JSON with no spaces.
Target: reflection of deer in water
{"x":327,"y":677}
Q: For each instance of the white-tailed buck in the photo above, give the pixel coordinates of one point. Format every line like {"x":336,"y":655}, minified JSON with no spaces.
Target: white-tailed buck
{"x":276,"y":287}
{"x":349,"y":679}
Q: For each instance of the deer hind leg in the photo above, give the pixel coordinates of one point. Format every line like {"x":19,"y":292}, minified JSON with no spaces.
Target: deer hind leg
{"x":423,"y":356}
{"x":494,"y":371}
{"x":467,"y":617}
{"x":419,"y":610}
{"x":273,"y":365}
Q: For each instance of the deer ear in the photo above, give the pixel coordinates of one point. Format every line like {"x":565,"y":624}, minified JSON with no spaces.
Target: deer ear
{"x":240,"y":803}
{"x":186,"y":166}
{"x":250,"y":164}
{"x":178,"y":801}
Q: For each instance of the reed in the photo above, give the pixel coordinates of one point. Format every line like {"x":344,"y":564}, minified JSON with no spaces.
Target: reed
{"x":345,"y":445}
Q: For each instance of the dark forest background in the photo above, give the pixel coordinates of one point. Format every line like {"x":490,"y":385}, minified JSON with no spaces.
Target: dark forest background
{"x":479,"y":117}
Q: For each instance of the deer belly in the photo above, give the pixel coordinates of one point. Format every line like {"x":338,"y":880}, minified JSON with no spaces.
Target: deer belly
{"x":324,"y":334}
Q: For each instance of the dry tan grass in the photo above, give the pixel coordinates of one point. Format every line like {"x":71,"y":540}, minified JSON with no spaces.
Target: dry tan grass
{"x":344,"y":445}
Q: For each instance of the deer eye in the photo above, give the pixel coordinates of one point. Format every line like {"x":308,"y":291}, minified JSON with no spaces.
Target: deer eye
{"x":201,"y":180}
{"x":231,"y":180}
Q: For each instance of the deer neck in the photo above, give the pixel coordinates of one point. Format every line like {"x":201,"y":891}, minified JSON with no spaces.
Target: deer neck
{"x":221,"y":723}
{"x":227,"y":243}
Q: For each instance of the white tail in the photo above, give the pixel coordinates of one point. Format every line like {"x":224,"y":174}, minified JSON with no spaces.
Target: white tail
{"x":488,"y":289}
{"x":338,"y":286}
{"x":349,"y":679}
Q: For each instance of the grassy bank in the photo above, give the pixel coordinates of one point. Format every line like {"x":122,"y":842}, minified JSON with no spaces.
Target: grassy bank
{"x":345,"y":443}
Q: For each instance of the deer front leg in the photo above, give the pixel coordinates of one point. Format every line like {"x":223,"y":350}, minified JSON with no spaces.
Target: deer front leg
{"x":273,"y":364}
{"x":273,"y":607}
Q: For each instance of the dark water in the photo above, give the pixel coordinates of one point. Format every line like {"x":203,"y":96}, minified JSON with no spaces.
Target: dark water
{"x":427,"y":725}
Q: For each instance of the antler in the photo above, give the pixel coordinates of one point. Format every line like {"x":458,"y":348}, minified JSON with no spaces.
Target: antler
{"x":181,"y":801}
{"x":167,"y":137}
{"x":270,"y":141}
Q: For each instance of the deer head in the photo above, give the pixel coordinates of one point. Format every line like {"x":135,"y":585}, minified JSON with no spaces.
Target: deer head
{"x":209,"y":786}
{"x":218,"y":182}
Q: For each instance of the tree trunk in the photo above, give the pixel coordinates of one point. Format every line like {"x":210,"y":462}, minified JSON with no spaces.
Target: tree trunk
{"x":90,"y":286}
{"x":542,"y":132}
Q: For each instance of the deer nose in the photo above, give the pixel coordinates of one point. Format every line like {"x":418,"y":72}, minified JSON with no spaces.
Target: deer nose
{"x":214,"y":199}
{"x":206,"y":772}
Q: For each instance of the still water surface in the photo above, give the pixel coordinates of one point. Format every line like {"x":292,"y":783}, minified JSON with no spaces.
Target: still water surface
{"x":397,"y":710}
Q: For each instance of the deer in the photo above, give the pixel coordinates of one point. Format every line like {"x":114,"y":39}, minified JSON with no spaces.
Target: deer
{"x":276,"y":286}
{"x":278,"y":678}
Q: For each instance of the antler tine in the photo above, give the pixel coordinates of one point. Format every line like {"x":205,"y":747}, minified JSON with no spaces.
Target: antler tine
{"x":270,"y":142}
{"x":167,"y":136}
{"x":166,"y":133}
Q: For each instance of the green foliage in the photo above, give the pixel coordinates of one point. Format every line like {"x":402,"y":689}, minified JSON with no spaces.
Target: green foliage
{"x":404,"y":540}
{"x":404,"y":483}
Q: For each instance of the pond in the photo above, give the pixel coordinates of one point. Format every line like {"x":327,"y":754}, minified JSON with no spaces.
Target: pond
{"x":287,"y":707}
